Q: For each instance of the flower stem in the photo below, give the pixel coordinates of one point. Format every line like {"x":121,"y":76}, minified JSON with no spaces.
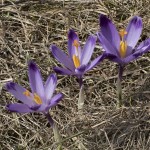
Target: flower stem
{"x":57,"y":136}
{"x":119,"y":88}
{"x":80,"y":80}
{"x":81,"y":98}
{"x":81,"y":95}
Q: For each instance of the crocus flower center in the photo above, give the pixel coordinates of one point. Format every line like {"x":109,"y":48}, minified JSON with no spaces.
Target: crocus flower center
{"x":76,"y":44}
{"x":76,"y":61}
{"x":75,"y":58}
{"x":26,"y":93}
{"x":36,"y":97}
{"x":123,"y":44}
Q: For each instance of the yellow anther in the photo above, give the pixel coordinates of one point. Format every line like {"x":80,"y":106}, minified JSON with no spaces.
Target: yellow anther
{"x":123,"y":49}
{"x":122,"y":33}
{"x":37,"y":99}
{"x":76,"y":44}
{"x":26,"y":93}
{"x":76,"y":61}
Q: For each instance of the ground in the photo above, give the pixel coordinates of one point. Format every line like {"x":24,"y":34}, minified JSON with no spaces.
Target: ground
{"x":27,"y":29}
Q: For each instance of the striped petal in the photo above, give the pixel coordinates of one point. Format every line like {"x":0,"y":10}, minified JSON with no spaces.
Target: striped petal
{"x":50,"y":86}
{"x":35,"y":79}
{"x":134,"y":30}
{"x":88,"y":50}
{"x":107,"y":46}
{"x":62,"y":57}
{"x":109,"y":31}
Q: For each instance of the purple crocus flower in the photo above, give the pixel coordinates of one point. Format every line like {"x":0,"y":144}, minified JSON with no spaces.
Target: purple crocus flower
{"x":120,"y":46}
{"x":77,"y":63}
{"x":40,"y":99}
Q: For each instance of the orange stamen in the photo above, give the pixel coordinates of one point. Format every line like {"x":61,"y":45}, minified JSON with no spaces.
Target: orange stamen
{"x":122,"y":33}
{"x":76,"y":61}
{"x":123,"y":49}
{"x":37,"y":99}
{"x":26,"y":93}
{"x":76,"y":44}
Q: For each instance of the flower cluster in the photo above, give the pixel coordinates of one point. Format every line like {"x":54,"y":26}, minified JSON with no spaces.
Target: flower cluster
{"x":119,"y":47}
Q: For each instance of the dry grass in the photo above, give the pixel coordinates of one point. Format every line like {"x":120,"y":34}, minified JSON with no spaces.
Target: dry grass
{"x":26,"y":31}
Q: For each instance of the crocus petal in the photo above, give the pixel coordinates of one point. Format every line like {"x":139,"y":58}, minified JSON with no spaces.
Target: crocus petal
{"x":88,"y":50}
{"x":129,"y":50}
{"x":129,"y":59}
{"x":62,"y":57}
{"x":109,"y":31}
{"x":95,"y":62}
{"x":114,"y":58}
{"x":108,"y":47}
{"x":50,"y":86}
{"x":35,"y":79}
{"x":55,"y":100}
{"x":140,"y":50}
{"x":80,"y":70}
{"x":18,"y":91}
{"x":143,"y":47}
{"x":72,"y":36}
{"x":62,"y":71}
{"x":40,"y":108}
{"x":20,"y":108}
{"x":134,"y":30}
